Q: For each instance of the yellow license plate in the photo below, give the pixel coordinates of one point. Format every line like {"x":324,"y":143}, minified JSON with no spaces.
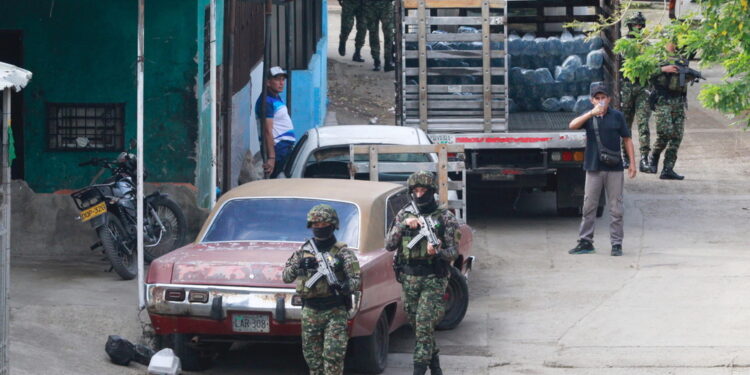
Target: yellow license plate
{"x":93,"y":212}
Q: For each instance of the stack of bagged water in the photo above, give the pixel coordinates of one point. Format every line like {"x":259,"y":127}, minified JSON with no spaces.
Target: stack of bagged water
{"x":553,"y":74}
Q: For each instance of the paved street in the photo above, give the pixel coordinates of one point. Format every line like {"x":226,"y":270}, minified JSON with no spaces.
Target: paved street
{"x":674,"y":303}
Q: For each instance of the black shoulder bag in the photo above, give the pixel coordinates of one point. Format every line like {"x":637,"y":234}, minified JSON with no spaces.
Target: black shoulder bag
{"x":607,"y":157}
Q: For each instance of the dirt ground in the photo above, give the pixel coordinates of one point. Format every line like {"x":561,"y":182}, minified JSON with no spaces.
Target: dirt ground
{"x":358,"y":95}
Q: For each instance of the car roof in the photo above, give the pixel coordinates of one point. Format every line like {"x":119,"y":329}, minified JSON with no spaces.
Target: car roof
{"x":370,"y":134}
{"x":369,"y":196}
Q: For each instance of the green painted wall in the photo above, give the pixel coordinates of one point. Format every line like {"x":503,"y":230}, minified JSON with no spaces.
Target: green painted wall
{"x":85,"y":51}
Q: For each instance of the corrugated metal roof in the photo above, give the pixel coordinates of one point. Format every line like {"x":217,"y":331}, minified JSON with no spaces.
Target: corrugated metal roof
{"x":13,"y":76}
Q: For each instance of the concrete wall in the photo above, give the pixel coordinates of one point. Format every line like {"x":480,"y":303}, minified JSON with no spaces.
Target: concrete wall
{"x":45,"y":226}
{"x":310,"y":86}
{"x":84,"y":51}
{"x":244,"y":122}
{"x":203,"y":149}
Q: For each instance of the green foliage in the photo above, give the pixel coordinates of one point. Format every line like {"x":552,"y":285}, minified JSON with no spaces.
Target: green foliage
{"x":720,"y":34}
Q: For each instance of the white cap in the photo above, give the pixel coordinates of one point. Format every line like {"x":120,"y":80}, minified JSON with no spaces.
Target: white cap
{"x":276,"y":70}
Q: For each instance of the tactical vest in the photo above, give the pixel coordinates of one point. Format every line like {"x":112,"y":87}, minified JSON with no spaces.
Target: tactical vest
{"x":670,"y":82}
{"x":320,"y":288}
{"x":419,"y":251}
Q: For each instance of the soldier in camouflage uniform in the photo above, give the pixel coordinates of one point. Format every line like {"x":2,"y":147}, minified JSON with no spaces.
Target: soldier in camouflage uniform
{"x":324,"y":306}
{"x":669,"y":112}
{"x":351,"y":10}
{"x":635,"y":102}
{"x":423,"y":270}
{"x":380,"y":11}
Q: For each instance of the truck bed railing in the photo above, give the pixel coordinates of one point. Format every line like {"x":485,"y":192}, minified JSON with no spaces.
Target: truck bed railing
{"x":441,"y":168}
{"x":450,"y":77}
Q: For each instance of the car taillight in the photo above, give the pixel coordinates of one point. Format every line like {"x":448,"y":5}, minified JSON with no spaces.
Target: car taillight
{"x":567,"y":156}
{"x":177,"y":295}
{"x":578,"y":156}
{"x":555,"y":156}
{"x":198,"y":296}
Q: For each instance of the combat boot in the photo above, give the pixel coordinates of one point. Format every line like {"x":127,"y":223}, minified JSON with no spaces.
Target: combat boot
{"x":420,"y":369}
{"x":654,"y":162}
{"x":645,"y":166}
{"x":342,"y":47}
{"x":376,"y":67}
{"x":357,"y":57}
{"x":435,"y":365}
{"x":388,"y":67}
{"x":670,"y":174}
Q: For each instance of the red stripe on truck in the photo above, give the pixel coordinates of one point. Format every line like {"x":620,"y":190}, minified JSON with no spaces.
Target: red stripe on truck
{"x":502,"y":139}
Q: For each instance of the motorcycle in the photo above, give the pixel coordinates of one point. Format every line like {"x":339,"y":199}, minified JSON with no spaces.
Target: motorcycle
{"x":110,"y":208}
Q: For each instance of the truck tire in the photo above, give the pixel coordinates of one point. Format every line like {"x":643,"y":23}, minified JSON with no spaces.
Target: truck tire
{"x":456,"y":301}
{"x":191,"y":358}
{"x":369,"y":354}
{"x":120,"y":252}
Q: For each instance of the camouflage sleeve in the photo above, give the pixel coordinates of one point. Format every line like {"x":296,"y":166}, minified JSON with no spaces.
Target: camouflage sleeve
{"x":351,"y":269}
{"x":292,"y":266}
{"x":393,"y":238}
{"x":451,"y":237}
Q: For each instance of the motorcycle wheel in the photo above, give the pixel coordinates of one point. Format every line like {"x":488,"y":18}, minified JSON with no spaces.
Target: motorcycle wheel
{"x":175,"y":226}
{"x":120,"y":252}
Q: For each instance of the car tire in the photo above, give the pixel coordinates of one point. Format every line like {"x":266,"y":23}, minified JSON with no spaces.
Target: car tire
{"x":456,"y":301}
{"x":191,"y":358}
{"x":369,"y":354}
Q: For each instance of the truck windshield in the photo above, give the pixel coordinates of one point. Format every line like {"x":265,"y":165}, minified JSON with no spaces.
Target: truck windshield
{"x":278,"y":219}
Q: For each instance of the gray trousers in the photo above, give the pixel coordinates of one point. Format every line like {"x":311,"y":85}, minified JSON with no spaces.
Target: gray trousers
{"x":612,"y":183}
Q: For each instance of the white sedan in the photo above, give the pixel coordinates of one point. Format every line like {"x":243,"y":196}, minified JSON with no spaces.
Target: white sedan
{"x":324,"y":152}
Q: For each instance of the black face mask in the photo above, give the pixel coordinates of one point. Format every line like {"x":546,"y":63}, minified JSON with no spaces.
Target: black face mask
{"x":323,"y":233}
{"x":426,"y":203}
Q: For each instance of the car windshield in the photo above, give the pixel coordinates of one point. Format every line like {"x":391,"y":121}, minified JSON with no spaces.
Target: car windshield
{"x":278,"y":219}
{"x":342,"y":154}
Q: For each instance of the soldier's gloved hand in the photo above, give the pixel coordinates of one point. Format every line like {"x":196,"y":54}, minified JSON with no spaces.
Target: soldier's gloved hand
{"x":308,"y":263}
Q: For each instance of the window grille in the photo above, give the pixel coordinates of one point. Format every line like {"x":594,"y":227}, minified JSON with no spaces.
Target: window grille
{"x":74,"y":126}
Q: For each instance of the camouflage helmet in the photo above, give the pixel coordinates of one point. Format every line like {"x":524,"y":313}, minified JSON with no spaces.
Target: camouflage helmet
{"x":323,"y":213}
{"x":635,"y":19}
{"x":422,"y":178}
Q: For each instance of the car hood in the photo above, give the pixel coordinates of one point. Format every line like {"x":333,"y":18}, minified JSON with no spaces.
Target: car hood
{"x":257,"y":264}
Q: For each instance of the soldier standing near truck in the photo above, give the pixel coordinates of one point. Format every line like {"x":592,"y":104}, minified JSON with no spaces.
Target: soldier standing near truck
{"x":669,"y":100}
{"x":380,"y":12}
{"x":424,"y":268}
{"x":324,"y":305}
{"x":635,"y":102}
{"x":352,"y":10}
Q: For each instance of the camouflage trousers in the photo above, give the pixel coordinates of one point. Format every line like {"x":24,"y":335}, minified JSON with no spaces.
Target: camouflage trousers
{"x":380,"y":11}
{"x":351,"y":10}
{"x":669,"y":114}
{"x":424,"y":305}
{"x":635,"y":107}
{"x":324,"y":338}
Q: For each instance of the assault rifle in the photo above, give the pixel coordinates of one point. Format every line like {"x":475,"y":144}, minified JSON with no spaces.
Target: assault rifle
{"x":426,"y":228}
{"x":325,"y":268}
{"x":686,"y":70}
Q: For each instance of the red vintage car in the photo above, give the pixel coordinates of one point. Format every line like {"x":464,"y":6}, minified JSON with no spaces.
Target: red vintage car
{"x":227,"y":286}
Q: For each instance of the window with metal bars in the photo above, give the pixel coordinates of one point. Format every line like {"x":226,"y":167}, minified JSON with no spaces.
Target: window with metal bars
{"x":85,"y":127}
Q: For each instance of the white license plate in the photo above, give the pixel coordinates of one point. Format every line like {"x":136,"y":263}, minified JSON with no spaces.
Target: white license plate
{"x":250,"y":323}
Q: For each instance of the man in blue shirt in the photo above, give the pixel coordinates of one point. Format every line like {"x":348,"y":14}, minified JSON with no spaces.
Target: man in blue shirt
{"x":277,"y":128}
{"x":612,"y":129}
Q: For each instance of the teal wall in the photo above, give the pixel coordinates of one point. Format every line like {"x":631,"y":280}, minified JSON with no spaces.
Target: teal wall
{"x":84,"y":51}
{"x":203,"y":170}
